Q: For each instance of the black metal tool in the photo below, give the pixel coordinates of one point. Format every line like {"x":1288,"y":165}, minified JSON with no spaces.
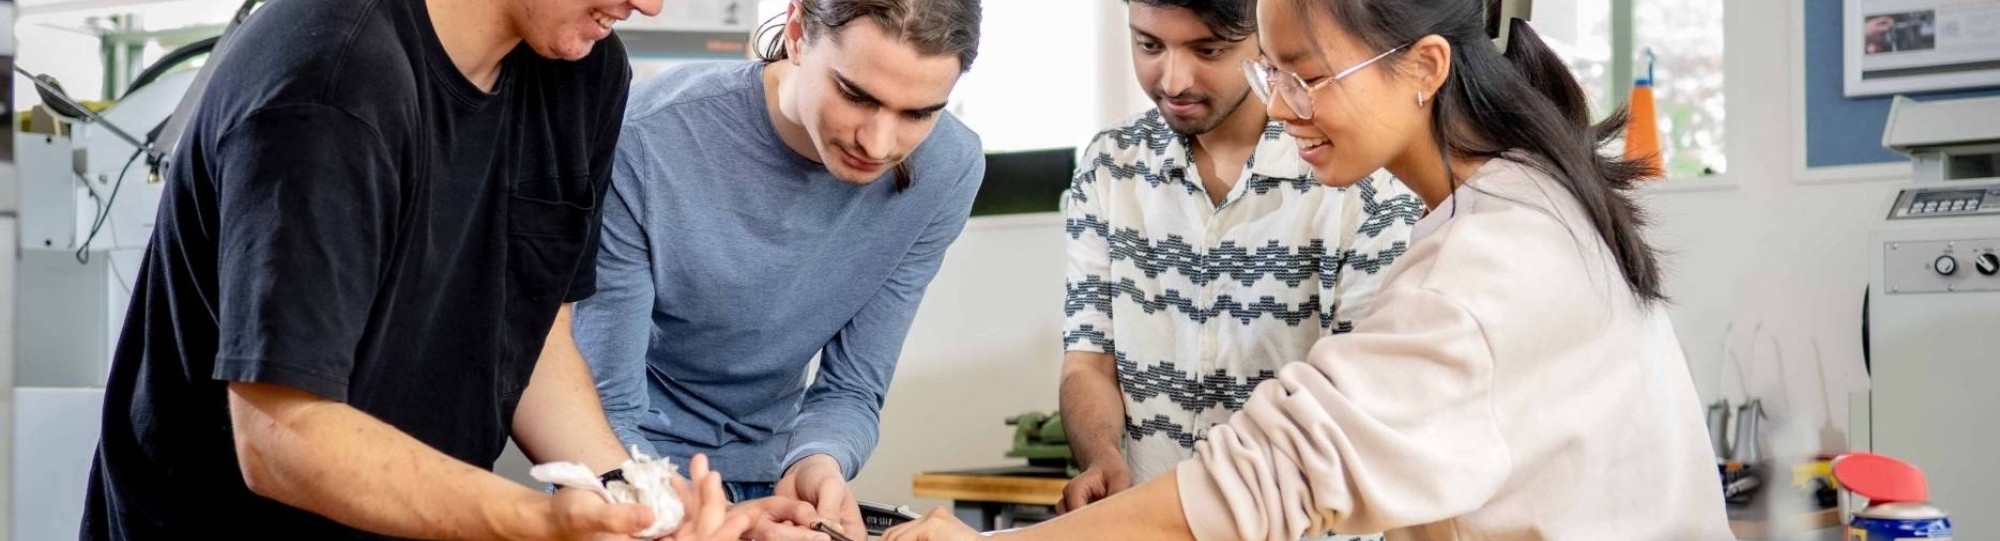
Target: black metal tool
{"x":827,"y":528}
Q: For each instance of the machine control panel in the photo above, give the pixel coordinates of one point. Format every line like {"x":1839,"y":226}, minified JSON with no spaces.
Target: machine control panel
{"x":1938,"y":266}
{"x":1946,"y":201}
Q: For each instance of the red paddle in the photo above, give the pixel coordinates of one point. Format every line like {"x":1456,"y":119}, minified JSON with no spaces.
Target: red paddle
{"x":1880,"y":479}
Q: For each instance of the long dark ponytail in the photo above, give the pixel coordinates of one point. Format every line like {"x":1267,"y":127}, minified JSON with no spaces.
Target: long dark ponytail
{"x":1524,"y":100}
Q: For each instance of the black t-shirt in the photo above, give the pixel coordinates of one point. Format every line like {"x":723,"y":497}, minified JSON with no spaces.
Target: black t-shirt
{"x":349,"y":216}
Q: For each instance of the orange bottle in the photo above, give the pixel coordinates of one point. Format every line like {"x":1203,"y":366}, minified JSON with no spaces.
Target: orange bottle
{"x":1642,"y":133}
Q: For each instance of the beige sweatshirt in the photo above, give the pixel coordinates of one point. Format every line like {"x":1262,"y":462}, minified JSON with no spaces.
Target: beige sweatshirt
{"x":1506,"y":386}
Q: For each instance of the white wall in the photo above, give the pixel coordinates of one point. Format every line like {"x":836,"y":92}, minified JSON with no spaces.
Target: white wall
{"x":1118,"y":92}
{"x":9,"y":201}
{"x":1772,"y":251}
{"x":987,"y":345}
{"x":7,"y":264}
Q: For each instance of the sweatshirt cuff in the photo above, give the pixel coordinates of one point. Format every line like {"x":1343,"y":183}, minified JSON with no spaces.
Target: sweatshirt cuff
{"x":1203,"y":503}
{"x":848,"y":469}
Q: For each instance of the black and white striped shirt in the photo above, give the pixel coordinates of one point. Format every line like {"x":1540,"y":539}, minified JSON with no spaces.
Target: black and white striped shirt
{"x":1199,"y":303}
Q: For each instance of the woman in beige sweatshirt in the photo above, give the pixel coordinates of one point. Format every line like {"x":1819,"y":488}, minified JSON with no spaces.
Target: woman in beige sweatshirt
{"x":1518,"y":378}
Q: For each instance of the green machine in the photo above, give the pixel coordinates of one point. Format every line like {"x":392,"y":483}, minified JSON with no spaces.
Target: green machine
{"x":1039,"y":438}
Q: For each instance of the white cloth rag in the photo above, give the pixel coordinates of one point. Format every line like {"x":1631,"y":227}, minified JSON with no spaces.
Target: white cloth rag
{"x":646,"y":483}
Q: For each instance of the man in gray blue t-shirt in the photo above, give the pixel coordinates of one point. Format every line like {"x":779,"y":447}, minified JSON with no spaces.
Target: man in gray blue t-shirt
{"x":762,"y":213}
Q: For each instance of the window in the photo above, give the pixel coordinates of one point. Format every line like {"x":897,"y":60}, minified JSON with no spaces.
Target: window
{"x":1686,"y":37}
{"x":96,"y":52}
{"x":1580,"y":32}
{"x":1033,"y":86}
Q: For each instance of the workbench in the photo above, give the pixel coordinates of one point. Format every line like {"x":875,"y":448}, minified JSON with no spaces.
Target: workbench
{"x":996,"y":498}
{"x":1819,"y":525}
{"x":1002,"y":498}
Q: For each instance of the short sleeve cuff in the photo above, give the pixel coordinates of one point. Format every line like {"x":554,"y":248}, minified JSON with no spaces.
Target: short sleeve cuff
{"x":581,"y":291}
{"x":1088,"y":337}
{"x":245,"y":370}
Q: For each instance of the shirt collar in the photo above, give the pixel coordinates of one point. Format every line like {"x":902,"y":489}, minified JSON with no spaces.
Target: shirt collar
{"x":1277,"y":155}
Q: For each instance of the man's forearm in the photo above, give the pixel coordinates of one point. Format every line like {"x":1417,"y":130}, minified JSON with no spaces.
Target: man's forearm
{"x":329,"y":458}
{"x":560,"y":418}
{"x":1093,"y":407}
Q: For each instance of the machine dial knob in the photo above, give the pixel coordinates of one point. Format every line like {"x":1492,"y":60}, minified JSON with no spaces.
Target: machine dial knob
{"x":1945,"y":265}
{"x":1988,"y":264}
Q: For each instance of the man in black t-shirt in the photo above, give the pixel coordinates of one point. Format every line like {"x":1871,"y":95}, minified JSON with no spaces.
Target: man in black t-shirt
{"x":358,"y":287}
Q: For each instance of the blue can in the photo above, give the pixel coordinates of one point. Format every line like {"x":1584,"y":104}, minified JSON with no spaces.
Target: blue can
{"x":1899,"y":522}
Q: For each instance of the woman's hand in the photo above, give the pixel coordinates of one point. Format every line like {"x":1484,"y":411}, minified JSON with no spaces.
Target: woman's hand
{"x":938,"y":525}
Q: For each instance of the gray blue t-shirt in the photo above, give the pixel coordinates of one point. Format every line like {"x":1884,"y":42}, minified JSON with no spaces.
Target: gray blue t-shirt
{"x":728,"y":261}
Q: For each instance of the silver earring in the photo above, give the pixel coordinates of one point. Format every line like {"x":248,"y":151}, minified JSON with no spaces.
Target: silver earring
{"x":1420,"y":98}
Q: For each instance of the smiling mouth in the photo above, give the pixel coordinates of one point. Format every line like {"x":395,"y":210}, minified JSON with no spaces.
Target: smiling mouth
{"x":603,"y":20}
{"x":1309,"y":143}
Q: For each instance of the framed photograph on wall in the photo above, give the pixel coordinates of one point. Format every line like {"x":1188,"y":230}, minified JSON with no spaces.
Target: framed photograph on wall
{"x":1906,"y":46}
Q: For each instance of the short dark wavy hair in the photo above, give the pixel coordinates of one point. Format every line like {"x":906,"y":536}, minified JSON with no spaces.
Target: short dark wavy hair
{"x":1233,"y":20}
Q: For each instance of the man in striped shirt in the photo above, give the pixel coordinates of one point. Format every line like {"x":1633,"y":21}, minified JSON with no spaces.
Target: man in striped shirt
{"x":1203,"y":255}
